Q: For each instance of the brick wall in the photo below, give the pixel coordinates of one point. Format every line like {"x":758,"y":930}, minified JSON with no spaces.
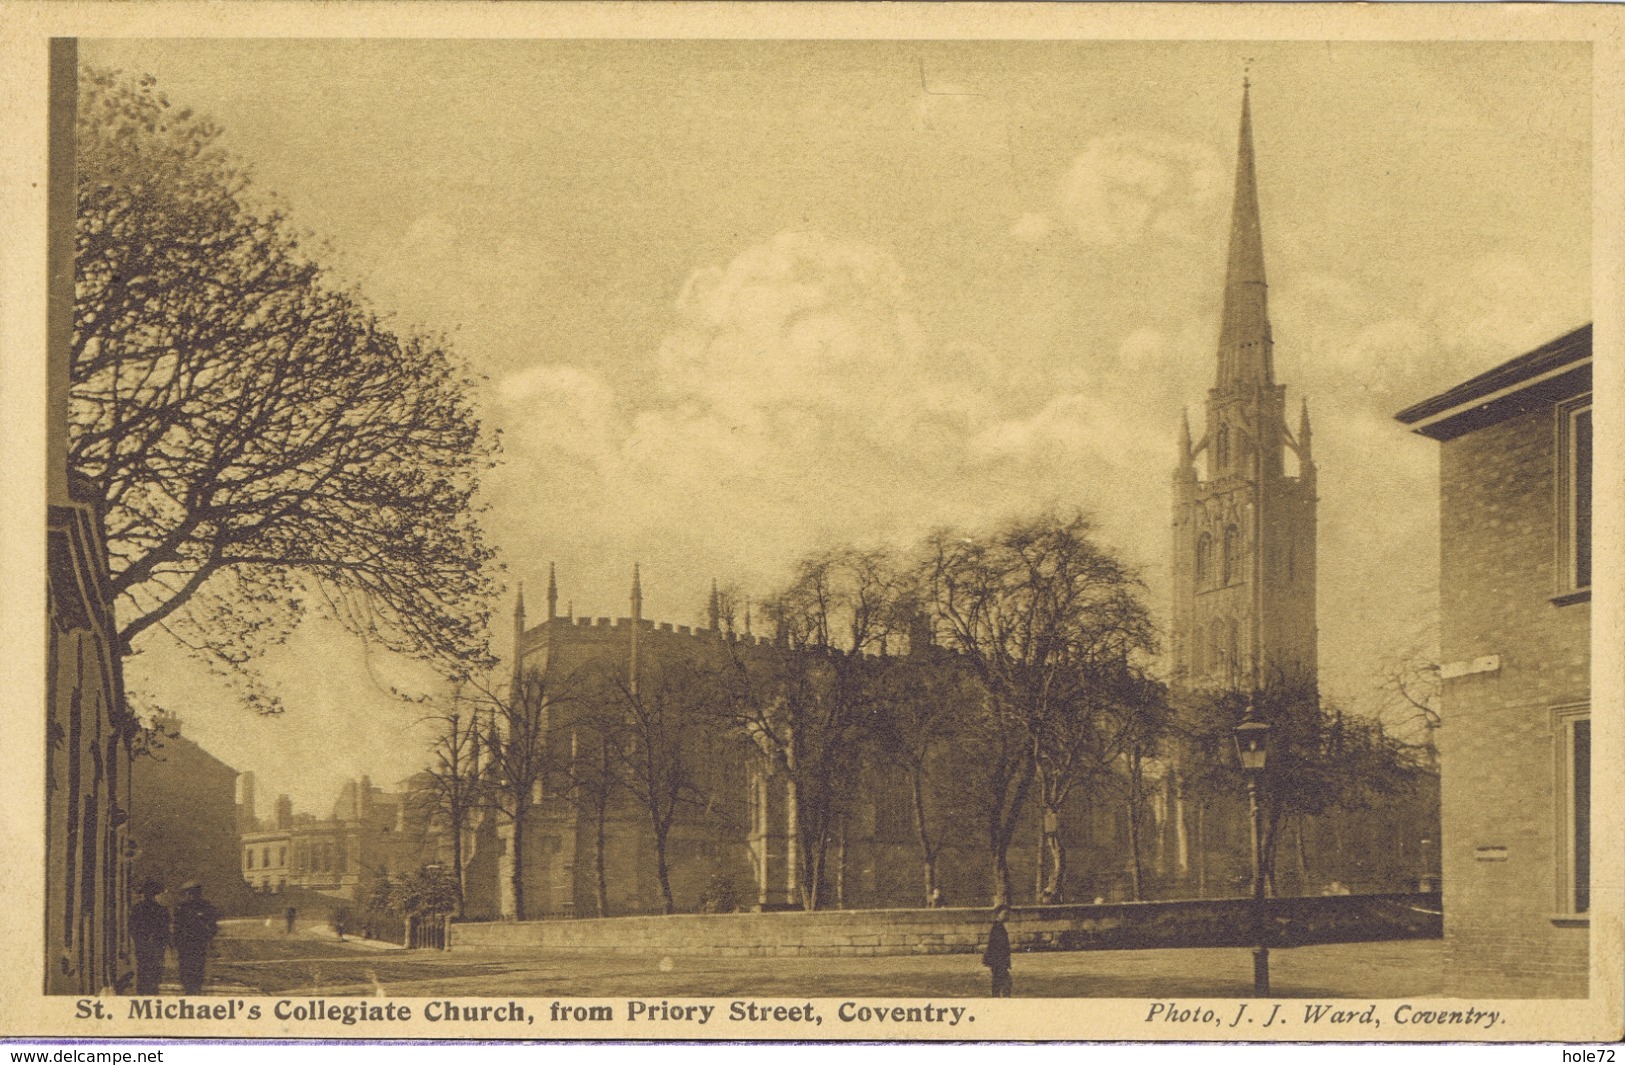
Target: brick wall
{"x":1500,"y":744}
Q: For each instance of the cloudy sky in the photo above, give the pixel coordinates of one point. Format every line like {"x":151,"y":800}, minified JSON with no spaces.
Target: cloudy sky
{"x":739,"y":300}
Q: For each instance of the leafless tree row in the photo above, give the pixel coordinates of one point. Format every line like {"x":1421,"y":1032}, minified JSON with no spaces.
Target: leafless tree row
{"x":996,"y":677}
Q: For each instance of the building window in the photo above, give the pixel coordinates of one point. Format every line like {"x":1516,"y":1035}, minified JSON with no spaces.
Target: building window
{"x":1573,"y":792}
{"x":282,"y":856}
{"x":1232,"y":552}
{"x":1221,"y":447}
{"x":1204,"y":559}
{"x":1580,"y":804}
{"x":250,"y":855}
{"x":1574,"y":495}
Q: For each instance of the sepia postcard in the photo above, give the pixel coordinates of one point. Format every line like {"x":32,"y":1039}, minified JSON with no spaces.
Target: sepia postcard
{"x":883,"y":522}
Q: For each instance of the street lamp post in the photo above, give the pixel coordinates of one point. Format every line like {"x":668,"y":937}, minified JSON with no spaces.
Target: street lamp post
{"x":1252,"y":749}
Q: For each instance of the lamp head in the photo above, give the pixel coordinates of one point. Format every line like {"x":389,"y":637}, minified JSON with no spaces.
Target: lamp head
{"x":1252,"y":743}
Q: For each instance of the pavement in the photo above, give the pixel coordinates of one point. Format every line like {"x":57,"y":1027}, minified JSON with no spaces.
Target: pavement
{"x":252,"y":959}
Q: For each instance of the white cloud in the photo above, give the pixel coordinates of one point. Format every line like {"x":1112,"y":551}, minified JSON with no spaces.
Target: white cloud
{"x":1125,"y":185}
{"x":553,"y":408}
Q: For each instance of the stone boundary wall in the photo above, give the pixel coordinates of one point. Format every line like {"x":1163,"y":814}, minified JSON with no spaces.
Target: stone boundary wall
{"x":1114,"y":926}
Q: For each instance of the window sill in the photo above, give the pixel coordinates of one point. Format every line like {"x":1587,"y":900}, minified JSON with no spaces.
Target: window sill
{"x":1583,"y":595}
{"x":1571,"y":920}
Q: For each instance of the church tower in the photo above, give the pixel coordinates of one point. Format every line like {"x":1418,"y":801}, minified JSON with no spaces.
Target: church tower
{"x":1244,"y":493}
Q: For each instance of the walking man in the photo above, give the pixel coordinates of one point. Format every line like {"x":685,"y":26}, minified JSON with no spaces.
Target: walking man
{"x":196,"y":922}
{"x":289,"y":914}
{"x":149,"y":934}
{"x":997,"y":955}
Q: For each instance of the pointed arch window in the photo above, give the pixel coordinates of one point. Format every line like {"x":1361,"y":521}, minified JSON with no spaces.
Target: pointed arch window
{"x":1204,"y":559}
{"x":1232,"y":553}
{"x":1215,"y":658}
{"x":1221,"y":447}
{"x":1232,"y":648}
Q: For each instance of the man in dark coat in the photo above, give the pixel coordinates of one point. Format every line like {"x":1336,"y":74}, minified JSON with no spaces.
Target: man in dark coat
{"x":997,"y":955}
{"x":196,"y":922}
{"x":149,"y":934}
{"x":289,"y":915}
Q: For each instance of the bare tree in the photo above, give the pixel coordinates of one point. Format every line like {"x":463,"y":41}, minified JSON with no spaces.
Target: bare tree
{"x":1116,"y":719}
{"x":1410,"y":686}
{"x":260,"y":438}
{"x":450,"y":790}
{"x":808,"y":706}
{"x":924,"y":704}
{"x":584,"y":772}
{"x":1321,"y":760}
{"x":669,"y":713}
{"x":516,"y":736}
{"x":1030,"y":607}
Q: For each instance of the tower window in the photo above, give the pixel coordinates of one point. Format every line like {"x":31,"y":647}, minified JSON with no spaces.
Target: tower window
{"x":1221,"y":447}
{"x":1204,"y":559}
{"x":1232,"y":553}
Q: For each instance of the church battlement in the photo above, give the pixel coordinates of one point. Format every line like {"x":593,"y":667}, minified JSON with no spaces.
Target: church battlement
{"x":625,"y":624}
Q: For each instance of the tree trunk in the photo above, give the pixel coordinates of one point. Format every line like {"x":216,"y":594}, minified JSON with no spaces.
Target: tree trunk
{"x":1201,"y":849}
{"x":1055,"y":890}
{"x":1303,"y":857}
{"x":457,"y":859}
{"x":928,"y":850}
{"x":598,"y":863}
{"x":517,"y":878}
{"x":663,"y":871}
{"x":840,"y":866}
{"x":1002,"y":830}
{"x":792,"y":841}
{"x":1001,"y":875}
{"x":1135,"y":799}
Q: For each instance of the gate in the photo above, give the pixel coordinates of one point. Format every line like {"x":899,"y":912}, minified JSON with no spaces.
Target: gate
{"x":426,"y":932}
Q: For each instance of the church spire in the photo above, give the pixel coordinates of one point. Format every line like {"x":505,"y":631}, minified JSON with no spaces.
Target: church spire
{"x":1246,"y":356}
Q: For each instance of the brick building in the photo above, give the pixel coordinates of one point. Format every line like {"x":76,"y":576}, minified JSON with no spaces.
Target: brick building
{"x":1515,"y":625}
{"x":183,"y":822}
{"x":87,"y":727}
{"x":368,"y":833}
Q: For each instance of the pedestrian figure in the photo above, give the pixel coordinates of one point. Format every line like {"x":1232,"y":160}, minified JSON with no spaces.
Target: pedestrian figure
{"x":937,"y":900}
{"x":196,"y":922}
{"x":997,"y":955}
{"x":290,"y":913}
{"x":149,"y":934}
